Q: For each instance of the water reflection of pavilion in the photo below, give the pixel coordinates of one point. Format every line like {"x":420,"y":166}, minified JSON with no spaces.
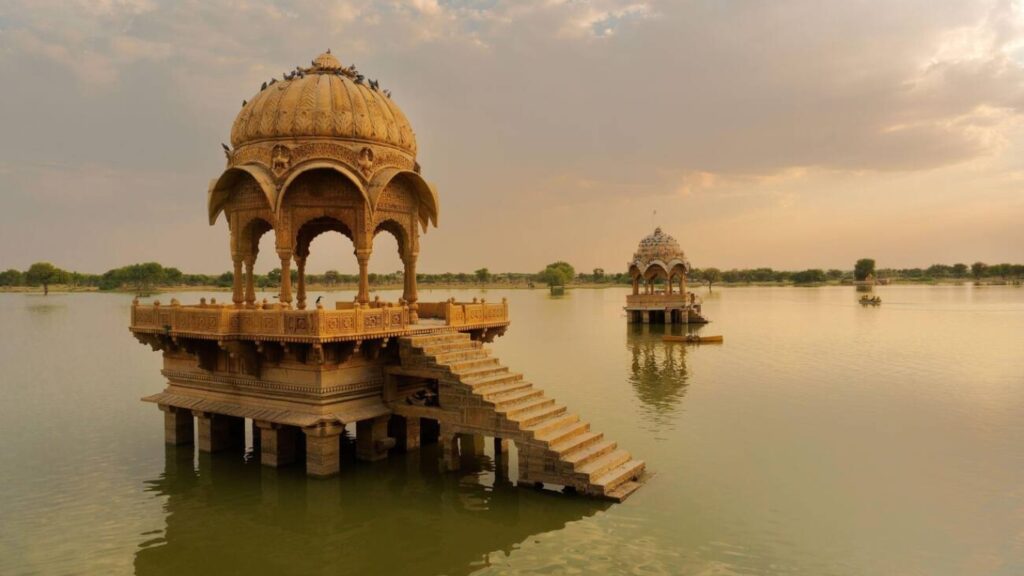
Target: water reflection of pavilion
{"x":377,"y":519}
{"x":658,"y":370}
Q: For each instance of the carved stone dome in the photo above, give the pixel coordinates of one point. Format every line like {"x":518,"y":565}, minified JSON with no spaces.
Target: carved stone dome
{"x":325,"y":100}
{"x":658,"y":246}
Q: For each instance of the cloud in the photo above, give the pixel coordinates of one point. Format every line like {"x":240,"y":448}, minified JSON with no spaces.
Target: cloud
{"x":537,"y":104}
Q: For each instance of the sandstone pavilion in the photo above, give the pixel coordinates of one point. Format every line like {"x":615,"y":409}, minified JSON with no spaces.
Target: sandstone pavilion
{"x":325,"y":150}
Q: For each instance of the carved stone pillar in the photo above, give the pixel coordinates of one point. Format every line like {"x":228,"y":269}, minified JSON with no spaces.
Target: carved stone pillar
{"x":300,"y":298}
{"x":250,"y":281}
{"x":286,"y":276}
{"x":237,"y":294}
{"x":409,"y":294}
{"x":363,"y":256}
{"x":636,"y":285}
{"x":178,"y":425}
{"x":323,"y":450}
{"x":277,"y":444}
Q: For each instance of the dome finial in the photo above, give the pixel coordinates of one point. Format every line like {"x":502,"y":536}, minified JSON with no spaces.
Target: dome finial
{"x":326,"y":62}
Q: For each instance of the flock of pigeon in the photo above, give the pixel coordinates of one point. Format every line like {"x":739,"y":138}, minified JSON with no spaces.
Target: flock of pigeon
{"x":301,"y":72}
{"x":350,"y":72}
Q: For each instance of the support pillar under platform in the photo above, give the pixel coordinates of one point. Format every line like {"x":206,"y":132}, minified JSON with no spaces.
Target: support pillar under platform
{"x":323,"y":450}
{"x":449,"y":450}
{"x":277,"y":444}
{"x":372,"y":441}
{"x":179,"y":427}
{"x":471,"y":445}
{"x":218,"y":432}
{"x":406,"y":432}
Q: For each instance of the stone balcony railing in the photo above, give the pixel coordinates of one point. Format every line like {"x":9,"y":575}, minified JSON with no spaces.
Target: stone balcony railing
{"x":659,"y":300}
{"x":465,"y":313}
{"x":278,"y":323}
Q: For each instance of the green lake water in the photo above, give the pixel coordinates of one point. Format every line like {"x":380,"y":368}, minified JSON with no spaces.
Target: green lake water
{"x":821,"y":438}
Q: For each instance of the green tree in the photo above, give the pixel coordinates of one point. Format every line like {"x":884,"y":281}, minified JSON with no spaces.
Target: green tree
{"x":10,"y":277}
{"x":274,"y":277}
{"x":331,"y":277}
{"x":143,"y":277}
{"x":864,"y":268}
{"x":43,"y":273}
{"x":810,"y":276}
{"x":483,"y":275}
{"x":172,"y":277}
{"x":978,"y":269}
{"x":557,"y":274}
{"x":959,"y":270}
{"x":598,"y":274}
{"x":711,"y":275}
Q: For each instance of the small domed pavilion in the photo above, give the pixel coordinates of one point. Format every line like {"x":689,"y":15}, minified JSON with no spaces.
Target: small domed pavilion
{"x":659,"y":258}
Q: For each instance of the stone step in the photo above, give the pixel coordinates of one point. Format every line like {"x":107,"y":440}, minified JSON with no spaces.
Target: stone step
{"x":471,"y":374}
{"x":540,"y":416}
{"x":519,"y":412}
{"x":515,"y":398}
{"x":493,"y":393}
{"x":492,"y":379}
{"x":623,"y":491}
{"x":623,"y":473}
{"x":569,"y":428}
{"x":462,"y":366}
{"x":549,"y":424}
{"x":586,"y":454}
{"x":431,"y":339}
{"x":461,"y":346}
{"x":471,"y":354}
{"x":576,"y":443}
{"x":598,"y":466}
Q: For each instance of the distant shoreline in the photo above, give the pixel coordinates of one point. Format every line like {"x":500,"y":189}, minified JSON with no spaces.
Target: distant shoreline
{"x":63,"y":289}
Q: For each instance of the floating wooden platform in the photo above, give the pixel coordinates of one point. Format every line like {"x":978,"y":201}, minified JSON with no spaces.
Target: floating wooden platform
{"x":694,"y":339}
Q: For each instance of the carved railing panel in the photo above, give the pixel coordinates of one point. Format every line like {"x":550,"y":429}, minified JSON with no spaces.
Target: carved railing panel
{"x":277,"y":323}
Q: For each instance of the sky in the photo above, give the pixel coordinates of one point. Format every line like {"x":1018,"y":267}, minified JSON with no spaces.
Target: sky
{"x":790,"y":134}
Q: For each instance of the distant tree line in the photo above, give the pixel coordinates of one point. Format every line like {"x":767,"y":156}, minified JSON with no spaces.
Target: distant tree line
{"x":152,"y":276}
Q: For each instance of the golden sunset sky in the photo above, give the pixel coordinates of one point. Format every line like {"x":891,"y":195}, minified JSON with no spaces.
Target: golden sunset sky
{"x":789,"y":134}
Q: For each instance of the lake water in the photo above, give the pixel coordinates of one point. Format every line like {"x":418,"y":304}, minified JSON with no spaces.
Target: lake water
{"x":821,"y":438}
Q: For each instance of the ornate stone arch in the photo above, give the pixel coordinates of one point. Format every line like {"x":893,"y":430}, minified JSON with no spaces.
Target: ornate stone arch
{"x":427,"y":208}
{"x":320,"y":165}
{"x":656,"y":269}
{"x":222,"y":188}
{"x":310,"y":229}
{"x":250,"y":231}
{"x":400,"y":231}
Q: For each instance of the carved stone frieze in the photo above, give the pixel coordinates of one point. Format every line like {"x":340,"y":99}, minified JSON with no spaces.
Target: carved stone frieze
{"x":280,"y":159}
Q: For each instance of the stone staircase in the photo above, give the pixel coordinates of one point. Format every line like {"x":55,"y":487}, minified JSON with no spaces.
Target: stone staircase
{"x":478,"y":395}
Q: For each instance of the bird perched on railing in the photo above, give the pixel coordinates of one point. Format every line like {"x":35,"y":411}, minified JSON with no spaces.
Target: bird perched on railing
{"x":318,"y":299}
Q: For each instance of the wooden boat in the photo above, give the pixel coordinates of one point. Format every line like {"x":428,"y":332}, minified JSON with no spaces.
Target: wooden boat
{"x":694,"y":339}
{"x":870,"y":300}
